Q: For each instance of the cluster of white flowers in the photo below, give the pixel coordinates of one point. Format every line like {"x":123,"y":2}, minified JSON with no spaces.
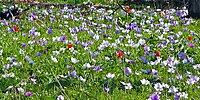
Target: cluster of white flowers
{"x":127,"y":86}
{"x":103,"y":45}
{"x":160,"y":87}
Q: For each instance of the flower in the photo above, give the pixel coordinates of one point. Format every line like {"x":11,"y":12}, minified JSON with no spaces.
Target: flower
{"x":154,"y":72}
{"x":82,"y":79}
{"x":197,"y":66}
{"x":74,"y":60}
{"x":69,"y":45}
{"x":178,"y":13}
{"x":111,"y":76}
{"x":55,"y":53}
{"x":154,"y":97}
{"x":87,"y":65}
{"x":60,"y":97}
{"x":105,"y":89}
{"x":63,"y":38}
{"x":120,"y":54}
{"x":39,"y":54}
{"x":98,"y":68}
{"x":50,"y":30}
{"x":45,"y":51}
{"x":128,"y":10}
{"x":193,"y":80}
{"x":158,"y":53}
{"x":191,"y":45}
{"x":69,"y":67}
{"x":73,"y":74}
{"x":16,"y":29}
{"x":20,"y":89}
{"x":127,"y":70}
{"x":28,"y":94}
{"x":54,"y":59}
{"x":189,"y":37}
{"x":181,"y":55}
{"x":132,"y":61}
{"x":144,"y":81}
{"x":176,"y":97}
{"x":158,"y":87}
{"x":173,"y":89}
{"x":29,"y":60}
{"x":144,"y":60}
{"x":23,"y":44}
{"x":8,"y":75}
{"x":146,"y":71}
{"x":127,"y":86}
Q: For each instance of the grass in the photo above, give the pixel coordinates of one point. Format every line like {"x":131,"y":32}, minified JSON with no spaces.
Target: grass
{"x":46,"y":71}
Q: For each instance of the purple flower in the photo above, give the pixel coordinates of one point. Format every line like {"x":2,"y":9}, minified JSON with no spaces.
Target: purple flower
{"x":146,"y":71}
{"x":75,"y":30}
{"x":144,"y":60}
{"x":7,"y":66}
{"x":105,"y":89}
{"x":195,"y":40}
{"x":98,"y":68}
{"x":154,"y":72}
{"x":39,"y":54}
{"x":32,"y":32}
{"x":45,"y":51}
{"x":108,"y":27}
{"x":43,"y":44}
{"x":90,"y":42}
{"x":176,"y":97}
{"x":50,"y":30}
{"x":185,"y":29}
{"x":181,"y":55}
{"x":43,"y":18}
{"x":78,"y":42}
{"x":106,"y":35}
{"x":84,"y":44}
{"x":23,"y":44}
{"x":117,"y":31}
{"x":28,"y":94}
{"x":23,"y":34}
{"x":154,"y":97}
{"x":29,"y":60}
{"x":82,"y":29}
{"x":63,"y":38}
{"x":69,"y":67}
{"x":73,"y":74}
{"x":132,"y":61}
{"x":178,"y":13}
{"x":147,"y":53}
{"x":193,"y":79}
{"x":127,"y":70}
{"x":191,"y":45}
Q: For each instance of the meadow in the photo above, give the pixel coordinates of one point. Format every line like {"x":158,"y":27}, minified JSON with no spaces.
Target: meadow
{"x":88,"y":53}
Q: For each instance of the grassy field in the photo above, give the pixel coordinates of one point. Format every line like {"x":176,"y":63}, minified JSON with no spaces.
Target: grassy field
{"x":67,"y":1}
{"x":89,"y":54}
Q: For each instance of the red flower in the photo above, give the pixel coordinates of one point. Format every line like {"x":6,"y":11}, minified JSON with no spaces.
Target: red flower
{"x":189,"y":37}
{"x":128,"y":10}
{"x":120,"y":54}
{"x":69,"y":45}
{"x":165,"y":11}
{"x":158,"y":53}
{"x":16,"y":29}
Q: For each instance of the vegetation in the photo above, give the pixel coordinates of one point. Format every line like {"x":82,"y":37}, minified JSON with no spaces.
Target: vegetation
{"x":53,"y":53}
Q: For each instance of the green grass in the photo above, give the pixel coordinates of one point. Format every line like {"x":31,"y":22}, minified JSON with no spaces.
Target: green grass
{"x":45,"y":71}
